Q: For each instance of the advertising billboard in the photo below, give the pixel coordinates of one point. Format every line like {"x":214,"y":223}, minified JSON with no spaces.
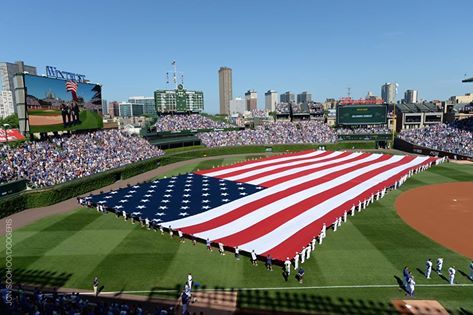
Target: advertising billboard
{"x":362,"y":114}
{"x":55,"y":104}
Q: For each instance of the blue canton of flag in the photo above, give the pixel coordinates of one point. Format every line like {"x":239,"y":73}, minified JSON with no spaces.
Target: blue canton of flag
{"x":175,"y":197}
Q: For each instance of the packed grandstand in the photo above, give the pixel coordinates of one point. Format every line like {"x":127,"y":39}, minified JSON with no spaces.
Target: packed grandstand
{"x":455,"y":137}
{"x":63,"y":158}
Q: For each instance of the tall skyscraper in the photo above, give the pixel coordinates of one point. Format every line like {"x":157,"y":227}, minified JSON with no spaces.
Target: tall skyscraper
{"x":6,"y":104}
{"x":287,"y":97}
{"x":388,"y":93}
{"x":270,"y":100}
{"x":304,"y":97}
{"x":7,"y":72}
{"x":225,"y":89}
{"x":410,"y":96}
{"x":251,"y":100}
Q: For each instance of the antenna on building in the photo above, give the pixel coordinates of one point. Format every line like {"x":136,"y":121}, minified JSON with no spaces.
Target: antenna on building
{"x":349,"y":91}
{"x":167,"y":77}
{"x":182,"y":79}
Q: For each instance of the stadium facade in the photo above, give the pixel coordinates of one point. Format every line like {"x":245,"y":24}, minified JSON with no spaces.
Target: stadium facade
{"x":179,"y":100}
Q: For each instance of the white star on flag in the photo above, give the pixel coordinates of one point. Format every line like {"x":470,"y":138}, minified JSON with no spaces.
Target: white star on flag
{"x":186,"y":201}
{"x":183,"y":214}
{"x":123,"y":200}
{"x":205,"y":201}
{"x":188,"y":185}
{"x":141,"y":207}
{"x":148,"y":195}
{"x":165,"y":201}
{"x":163,"y":207}
{"x":153,"y":186}
{"x":113,"y":192}
{"x":205,"y":207}
{"x":151,"y":190}
{"x":155,"y":181}
{"x":205,"y":185}
{"x":101,"y":201}
{"x":225,"y":200}
{"x":159,"y":214}
{"x":128,"y":196}
{"x":118,"y":207}
{"x":205,"y":189}
{"x":223,"y":188}
{"x":243,"y":194}
{"x":186,"y":195}
{"x":108,"y":197}
{"x":156,"y":220}
{"x":132,"y":191}
{"x":167,"y":195}
{"x":136,"y":186}
{"x":185,"y":207}
{"x":224,"y":194}
{"x":205,"y":195}
{"x":136,"y":213}
{"x":172,"y":185}
{"x":187,"y":189}
{"x":144,"y":200}
{"x":168,"y":190}
{"x":241,"y":188}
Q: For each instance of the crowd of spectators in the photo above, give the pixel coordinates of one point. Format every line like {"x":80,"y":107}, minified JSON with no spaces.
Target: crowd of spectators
{"x":60,"y":159}
{"x":280,"y":132}
{"x":259,"y":113}
{"x":188,"y":122}
{"x":363,"y":130}
{"x":282,"y":108}
{"x":455,"y":137}
{"x":39,"y":302}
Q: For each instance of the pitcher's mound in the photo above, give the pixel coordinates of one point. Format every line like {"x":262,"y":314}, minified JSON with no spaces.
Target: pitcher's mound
{"x":418,"y":307}
{"x":443,"y":212}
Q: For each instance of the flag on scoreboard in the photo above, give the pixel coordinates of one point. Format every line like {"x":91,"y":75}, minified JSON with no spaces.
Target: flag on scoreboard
{"x":72,"y":86}
{"x":274,"y":205}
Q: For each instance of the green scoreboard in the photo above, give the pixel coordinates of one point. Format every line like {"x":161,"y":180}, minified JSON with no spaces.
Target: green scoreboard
{"x":372,"y":114}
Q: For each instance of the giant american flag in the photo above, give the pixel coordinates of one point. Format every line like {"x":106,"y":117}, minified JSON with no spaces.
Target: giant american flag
{"x":275,"y":205}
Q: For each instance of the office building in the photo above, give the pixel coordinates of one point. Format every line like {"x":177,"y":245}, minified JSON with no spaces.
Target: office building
{"x":287,"y":97}
{"x":270,"y":100}
{"x":179,"y":100}
{"x":8,"y":71}
{"x":462,"y":99}
{"x":251,"y":98}
{"x":104,"y":107}
{"x":225,"y":89}
{"x":388,"y":93}
{"x":410,"y":97}
{"x":149,"y":106}
{"x":237,"y":106}
{"x":6,"y":104}
{"x":304,"y":98}
{"x":113,"y":109}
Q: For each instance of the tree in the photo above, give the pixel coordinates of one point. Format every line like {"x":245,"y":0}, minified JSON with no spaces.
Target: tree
{"x":12,"y":120}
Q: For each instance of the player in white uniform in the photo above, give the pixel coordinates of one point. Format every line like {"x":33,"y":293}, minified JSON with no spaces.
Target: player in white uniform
{"x":254,"y":259}
{"x":308,"y":249}
{"x":428,"y":268}
{"x":439,"y":265}
{"x":296,"y":261}
{"x":303,"y":255}
{"x":471,"y":271}
{"x":220,"y":249}
{"x":412,"y":285}
{"x":313,"y":243}
{"x":124,"y":214}
{"x":189,"y":280}
{"x":451,"y":273}
{"x":287,"y":266}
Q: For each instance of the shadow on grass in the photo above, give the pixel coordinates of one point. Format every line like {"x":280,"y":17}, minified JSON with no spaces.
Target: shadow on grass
{"x":35,"y":277}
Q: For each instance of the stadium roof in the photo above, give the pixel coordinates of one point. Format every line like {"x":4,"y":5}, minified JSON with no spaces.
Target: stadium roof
{"x":417,"y":108}
{"x":468,"y":80}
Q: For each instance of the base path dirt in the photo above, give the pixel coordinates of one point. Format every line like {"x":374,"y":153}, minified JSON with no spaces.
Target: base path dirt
{"x":29,"y":216}
{"x":443,"y":212}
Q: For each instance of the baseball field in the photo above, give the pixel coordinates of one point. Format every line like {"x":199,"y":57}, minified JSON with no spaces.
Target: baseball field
{"x":357,"y":268}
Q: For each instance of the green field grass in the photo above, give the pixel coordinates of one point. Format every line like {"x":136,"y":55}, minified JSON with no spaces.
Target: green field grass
{"x":370,"y":249}
{"x":89,"y":120}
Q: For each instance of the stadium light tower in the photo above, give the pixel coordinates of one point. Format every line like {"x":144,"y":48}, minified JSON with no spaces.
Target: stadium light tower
{"x":394,"y":118}
{"x":175,"y":75}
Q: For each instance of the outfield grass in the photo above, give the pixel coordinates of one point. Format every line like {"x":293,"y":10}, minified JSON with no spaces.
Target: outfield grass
{"x":371,"y":249}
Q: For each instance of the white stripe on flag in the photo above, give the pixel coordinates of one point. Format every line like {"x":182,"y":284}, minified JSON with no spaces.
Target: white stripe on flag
{"x":289,"y":228}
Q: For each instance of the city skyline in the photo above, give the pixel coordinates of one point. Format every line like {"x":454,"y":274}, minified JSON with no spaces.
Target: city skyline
{"x":342,"y":50}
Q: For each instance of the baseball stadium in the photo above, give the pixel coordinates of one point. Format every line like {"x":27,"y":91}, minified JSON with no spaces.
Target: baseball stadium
{"x":189,"y":199}
{"x":304,"y":205}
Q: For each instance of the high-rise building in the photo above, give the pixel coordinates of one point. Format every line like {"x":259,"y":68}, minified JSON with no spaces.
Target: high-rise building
{"x":6,"y":104}
{"x":287,"y":97}
{"x":237,"y":106}
{"x":251,"y":98}
{"x":388,"y":93}
{"x":149,"y":106}
{"x":225,"y":89}
{"x":410,"y":97}
{"x":180,"y":100}
{"x":104,"y":107}
{"x":304,"y":97}
{"x":8,"y":71}
{"x":270,"y":100}
{"x":113,"y":109}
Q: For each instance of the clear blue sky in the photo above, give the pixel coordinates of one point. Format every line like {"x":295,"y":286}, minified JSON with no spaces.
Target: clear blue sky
{"x":319,"y":46}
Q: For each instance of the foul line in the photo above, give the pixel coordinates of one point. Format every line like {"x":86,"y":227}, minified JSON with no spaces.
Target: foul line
{"x":293,"y":288}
